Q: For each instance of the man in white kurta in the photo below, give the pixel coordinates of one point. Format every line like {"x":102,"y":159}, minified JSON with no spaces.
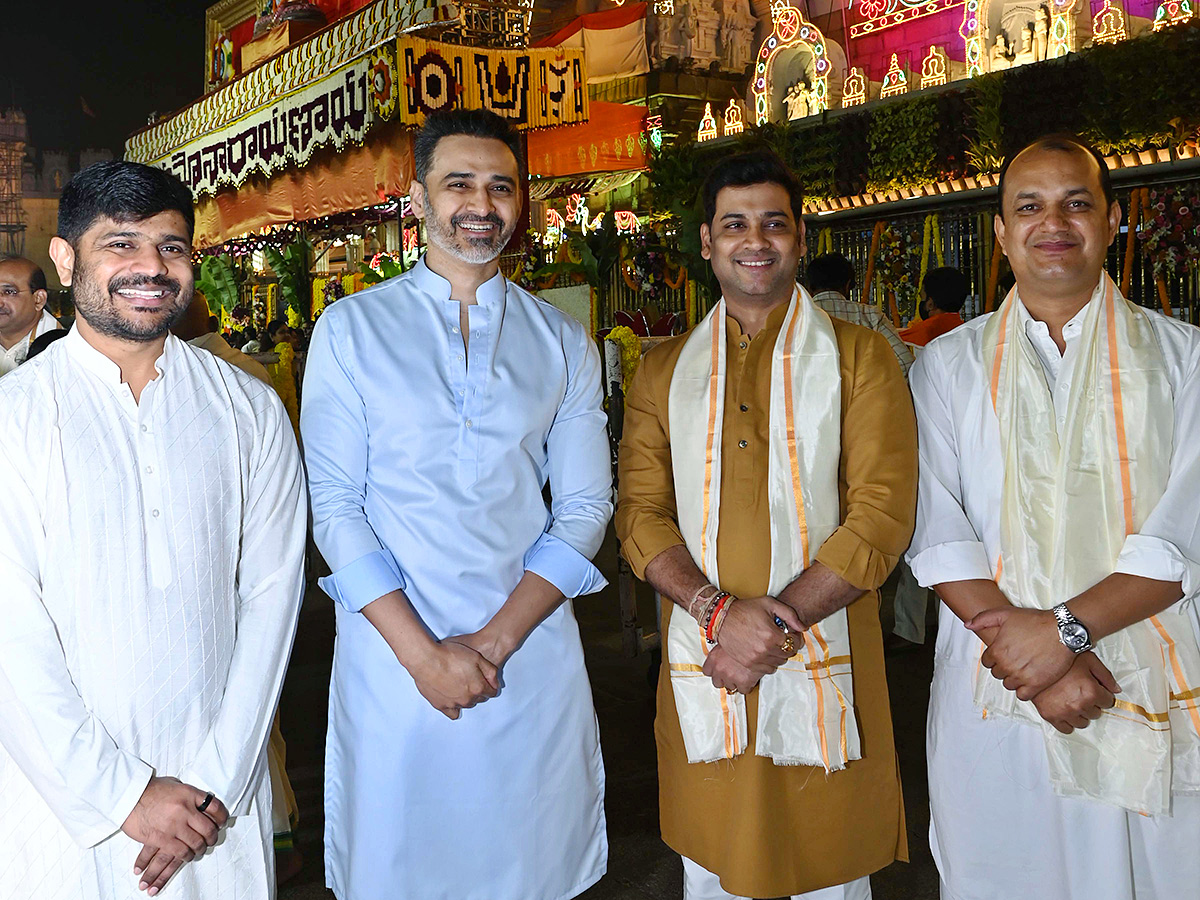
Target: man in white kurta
{"x":428,"y":450}
{"x":23,"y":313}
{"x":151,"y":553}
{"x":1007,"y":820}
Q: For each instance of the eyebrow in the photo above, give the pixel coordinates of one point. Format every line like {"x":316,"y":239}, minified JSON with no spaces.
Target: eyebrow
{"x":507,"y":179}
{"x":169,"y":238}
{"x":1033,"y":195}
{"x":769,"y":214}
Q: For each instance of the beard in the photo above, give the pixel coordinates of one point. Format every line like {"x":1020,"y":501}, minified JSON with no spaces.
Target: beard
{"x":100,"y":310}
{"x":461,"y":244}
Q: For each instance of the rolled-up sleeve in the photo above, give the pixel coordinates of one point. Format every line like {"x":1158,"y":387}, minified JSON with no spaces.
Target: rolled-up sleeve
{"x":646,"y":513}
{"x":580,"y":475}
{"x":945,"y":546}
{"x":878,"y":467}
{"x":333,"y":426}
{"x":1167,"y":546}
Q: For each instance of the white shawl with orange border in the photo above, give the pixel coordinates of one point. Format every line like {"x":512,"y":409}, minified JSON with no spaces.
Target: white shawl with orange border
{"x":806,"y":707}
{"x":1069,"y":499}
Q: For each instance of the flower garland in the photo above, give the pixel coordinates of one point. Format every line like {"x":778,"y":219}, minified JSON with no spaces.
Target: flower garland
{"x":631,"y":353}
{"x":933,"y":235}
{"x":899,"y":258}
{"x":1170,"y":230}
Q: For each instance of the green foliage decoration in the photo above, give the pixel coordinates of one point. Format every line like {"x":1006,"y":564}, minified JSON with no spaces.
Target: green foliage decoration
{"x":219,"y":280}
{"x":903,"y":144}
{"x":985,"y":132}
{"x":291,"y":267}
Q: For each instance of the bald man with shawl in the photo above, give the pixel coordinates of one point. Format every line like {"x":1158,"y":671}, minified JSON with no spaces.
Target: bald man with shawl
{"x":1058,"y":521}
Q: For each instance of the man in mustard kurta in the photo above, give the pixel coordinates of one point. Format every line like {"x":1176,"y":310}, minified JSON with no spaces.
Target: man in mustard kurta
{"x":767,"y":488}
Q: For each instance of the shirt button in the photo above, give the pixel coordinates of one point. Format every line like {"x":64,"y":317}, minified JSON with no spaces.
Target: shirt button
{"x":468,"y":423}
{"x":742,"y":444}
{"x":154,"y":512}
{"x":462,"y":393}
{"x":454,"y":329}
{"x":742,"y":345}
{"x":460,"y":357}
{"x":744,"y":408}
{"x":145,"y":428}
{"x":149,"y":470}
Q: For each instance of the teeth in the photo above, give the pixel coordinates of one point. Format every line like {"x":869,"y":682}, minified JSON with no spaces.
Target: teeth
{"x":476,"y":227}
{"x":755,"y":264}
{"x":141,"y":295}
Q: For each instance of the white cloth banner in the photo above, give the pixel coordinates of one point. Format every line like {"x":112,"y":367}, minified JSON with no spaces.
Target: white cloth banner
{"x":331,"y":112}
{"x":613,"y":42}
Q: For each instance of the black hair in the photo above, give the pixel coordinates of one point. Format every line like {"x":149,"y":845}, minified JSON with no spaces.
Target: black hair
{"x":37,"y":278}
{"x":830,"y":272}
{"x":946,"y":288}
{"x":1064,"y":143}
{"x":744,"y":169}
{"x":273,"y":329}
{"x":123,"y":192}
{"x":479,"y":123}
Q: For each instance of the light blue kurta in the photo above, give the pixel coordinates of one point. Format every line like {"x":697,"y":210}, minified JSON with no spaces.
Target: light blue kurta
{"x":426,"y":470}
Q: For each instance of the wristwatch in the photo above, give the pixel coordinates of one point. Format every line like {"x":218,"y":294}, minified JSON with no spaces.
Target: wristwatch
{"x":1073,"y":633}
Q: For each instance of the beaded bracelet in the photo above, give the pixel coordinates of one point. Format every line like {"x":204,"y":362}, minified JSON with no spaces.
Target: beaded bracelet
{"x":722,"y":599}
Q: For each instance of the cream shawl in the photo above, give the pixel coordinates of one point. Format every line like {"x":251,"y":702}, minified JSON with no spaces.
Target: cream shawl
{"x":806,"y":708}
{"x":1069,"y":499}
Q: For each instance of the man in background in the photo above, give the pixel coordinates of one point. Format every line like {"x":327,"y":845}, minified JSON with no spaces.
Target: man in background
{"x":23,"y":314}
{"x":944,"y":291}
{"x":831,"y":279}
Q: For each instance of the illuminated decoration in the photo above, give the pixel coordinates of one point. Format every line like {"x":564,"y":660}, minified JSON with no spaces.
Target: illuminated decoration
{"x":880,"y":14}
{"x":654,"y":129}
{"x":708,"y":125}
{"x":854,"y":91}
{"x":791,"y":30}
{"x":596,"y":222}
{"x":626,"y":222}
{"x":554,"y":219}
{"x":1062,"y":28}
{"x":733,"y":118}
{"x":1173,"y":12}
{"x":664,"y":7}
{"x":1108,"y":25}
{"x":974,"y":26}
{"x":895,"y":82}
{"x":935,"y":67}
{"x":577,"y":210}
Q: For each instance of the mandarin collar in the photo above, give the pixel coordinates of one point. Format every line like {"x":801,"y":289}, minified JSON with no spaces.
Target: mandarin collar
{"x":490,"y":293}
{"x":103,"y":367}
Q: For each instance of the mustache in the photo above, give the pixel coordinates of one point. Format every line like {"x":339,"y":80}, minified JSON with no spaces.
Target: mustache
{"x":145,"y":281}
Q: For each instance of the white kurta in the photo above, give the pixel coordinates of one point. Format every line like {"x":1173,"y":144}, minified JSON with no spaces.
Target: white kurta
{"x":997,"y":829}
{"x":15,"y":355}
{"x":151,"y":556}
{"x":426,"y":470}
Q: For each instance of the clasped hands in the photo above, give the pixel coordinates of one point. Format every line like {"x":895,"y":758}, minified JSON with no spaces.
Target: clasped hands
{"x":750,"y":643}
{"x":172,"y":828}
{"x":1025,"y":654}
{"x":459,"y":672}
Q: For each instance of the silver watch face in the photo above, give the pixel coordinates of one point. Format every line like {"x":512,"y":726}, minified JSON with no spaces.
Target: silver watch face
{"x":1074,"y":636}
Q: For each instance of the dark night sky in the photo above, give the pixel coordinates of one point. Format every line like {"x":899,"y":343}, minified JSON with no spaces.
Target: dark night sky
{"x":124,"y":59}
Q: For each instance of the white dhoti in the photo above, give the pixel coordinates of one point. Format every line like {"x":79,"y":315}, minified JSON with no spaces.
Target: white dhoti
{"x":701,"y":884}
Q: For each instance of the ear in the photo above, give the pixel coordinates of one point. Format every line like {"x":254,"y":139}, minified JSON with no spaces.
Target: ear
{"x":416,"y":198}
{"x":63,"y":255}
{"x":998,"y":227}
{"x":39,"y":299}
{"x":1114,"y":221}
{"x":705,"y":241}
{"x":801,"y":237}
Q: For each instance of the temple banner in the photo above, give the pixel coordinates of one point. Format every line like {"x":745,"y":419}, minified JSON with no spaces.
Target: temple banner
{"x":530,"y":88}
{"x":330,"y":112}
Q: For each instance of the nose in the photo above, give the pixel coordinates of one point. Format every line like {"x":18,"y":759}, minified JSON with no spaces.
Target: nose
{"x":756,"y":238}
{"x":148,"y":261}
{"x":1055,"y":217}
{"x":480,"y":200}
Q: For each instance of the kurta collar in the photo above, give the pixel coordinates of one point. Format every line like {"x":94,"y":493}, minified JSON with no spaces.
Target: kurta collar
{"x":1071,"y":329}
{"x":489,"y":293}
{"x":103,"y":367}
{"x":774,"y":322}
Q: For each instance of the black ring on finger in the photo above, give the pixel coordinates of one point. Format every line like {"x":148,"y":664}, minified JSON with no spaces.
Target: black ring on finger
{"x":208,"y":798}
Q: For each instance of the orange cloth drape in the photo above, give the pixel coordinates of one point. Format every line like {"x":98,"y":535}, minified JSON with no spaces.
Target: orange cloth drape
{"x":610,"y":141}
{"x":331,"y":183}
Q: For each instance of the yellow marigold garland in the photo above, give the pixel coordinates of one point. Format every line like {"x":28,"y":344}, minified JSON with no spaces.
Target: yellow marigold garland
{"x":631,"y":353}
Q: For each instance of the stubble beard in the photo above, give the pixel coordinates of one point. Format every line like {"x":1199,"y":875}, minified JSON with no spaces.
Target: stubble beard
{"x":475,"y":251}
{"x":100,"y":311}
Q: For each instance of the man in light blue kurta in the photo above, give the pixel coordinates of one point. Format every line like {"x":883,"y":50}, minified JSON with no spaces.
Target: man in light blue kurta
{"x":463,"y":757}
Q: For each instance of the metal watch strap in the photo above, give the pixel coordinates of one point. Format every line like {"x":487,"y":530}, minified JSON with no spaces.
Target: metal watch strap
{"x":1063,"y":615}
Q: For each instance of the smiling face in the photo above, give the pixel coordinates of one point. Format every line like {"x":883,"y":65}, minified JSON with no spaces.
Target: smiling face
{"x":1056,"y":227}
{"x":469,"y":200}
{"x":20,"y":304}
{"x":130,"y":280}
{"x":754,"y":243}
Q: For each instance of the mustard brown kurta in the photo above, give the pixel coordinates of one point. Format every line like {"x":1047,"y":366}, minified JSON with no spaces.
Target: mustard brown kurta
{"x":768,"y":830}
